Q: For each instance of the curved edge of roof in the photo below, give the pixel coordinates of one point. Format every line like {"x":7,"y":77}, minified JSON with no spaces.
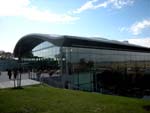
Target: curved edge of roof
{"x":29,"y":41}
{"x":24,"y":44}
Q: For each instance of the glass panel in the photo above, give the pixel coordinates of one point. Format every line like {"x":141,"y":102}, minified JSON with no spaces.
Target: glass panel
{"x":84,"y":62}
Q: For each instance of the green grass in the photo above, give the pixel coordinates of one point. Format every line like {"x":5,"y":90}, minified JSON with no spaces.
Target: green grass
{"x":44,"y":99}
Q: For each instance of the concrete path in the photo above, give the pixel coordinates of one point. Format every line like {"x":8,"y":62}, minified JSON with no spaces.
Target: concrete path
{"x":6,"y":83}
{"x":10,"y":84}
{"x":4,"y":76}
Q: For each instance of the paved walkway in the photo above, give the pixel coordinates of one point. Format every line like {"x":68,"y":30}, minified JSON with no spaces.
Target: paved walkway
{"x":6,"y":83}
{"x":10,"y":84}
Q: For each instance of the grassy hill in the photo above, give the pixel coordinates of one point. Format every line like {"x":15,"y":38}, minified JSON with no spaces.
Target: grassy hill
{"x":44,"y":99}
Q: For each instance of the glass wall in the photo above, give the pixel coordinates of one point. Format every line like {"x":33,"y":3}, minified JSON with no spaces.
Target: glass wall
{"x":83,"y":68}
{"x":82,"y":64}
{"x":47,"y":50}
{"x":44,"y":56}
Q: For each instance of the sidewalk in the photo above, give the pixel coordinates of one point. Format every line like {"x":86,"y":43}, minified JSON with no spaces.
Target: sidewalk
{"x":10,"y":84}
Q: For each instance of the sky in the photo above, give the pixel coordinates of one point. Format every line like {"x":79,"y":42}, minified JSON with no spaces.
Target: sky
{"x":111,"y":19}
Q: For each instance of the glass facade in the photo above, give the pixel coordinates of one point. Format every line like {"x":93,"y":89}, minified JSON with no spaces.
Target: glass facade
{"x":82,"y":68}
{"x":47,"y":50}
{"x":44,"y":56}
{"x":84,"y":64}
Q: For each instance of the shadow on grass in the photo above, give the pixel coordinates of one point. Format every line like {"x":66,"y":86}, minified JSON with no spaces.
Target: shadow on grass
{"x":146,"y":107}
{"x":17,"y":88}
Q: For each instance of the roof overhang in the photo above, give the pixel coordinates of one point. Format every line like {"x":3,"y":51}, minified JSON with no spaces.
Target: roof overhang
{"x":28,"y":42}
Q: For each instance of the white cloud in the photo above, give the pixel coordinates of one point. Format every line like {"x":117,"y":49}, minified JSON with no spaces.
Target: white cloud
{"x":122,"y":29}
{"x":25,"y":9}
{"x":140,"y":41}
{"x":12,"y":7}
{"x":86,"y":6}
{"x":120,"y":3}
{"x":139,"y":26}
{"x":113,"y":3}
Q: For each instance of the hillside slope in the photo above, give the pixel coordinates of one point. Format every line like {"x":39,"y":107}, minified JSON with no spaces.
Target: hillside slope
{"x":44,"y":99}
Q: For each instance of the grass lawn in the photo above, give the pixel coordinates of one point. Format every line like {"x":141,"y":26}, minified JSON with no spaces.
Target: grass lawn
{"x":44,"y":99}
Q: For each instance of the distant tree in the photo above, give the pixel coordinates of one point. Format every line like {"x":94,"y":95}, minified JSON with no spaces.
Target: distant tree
{"x":6,"y":55}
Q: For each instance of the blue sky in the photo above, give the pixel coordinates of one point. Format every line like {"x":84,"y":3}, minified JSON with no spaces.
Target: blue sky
{"x":111,"y":19}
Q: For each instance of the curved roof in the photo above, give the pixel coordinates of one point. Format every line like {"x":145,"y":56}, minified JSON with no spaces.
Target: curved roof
{"x":28,"y":42}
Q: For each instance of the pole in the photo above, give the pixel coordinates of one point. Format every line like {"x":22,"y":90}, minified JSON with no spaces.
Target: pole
{"x":20,"y":70}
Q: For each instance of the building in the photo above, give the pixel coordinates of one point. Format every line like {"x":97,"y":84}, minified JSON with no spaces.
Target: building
{"x":87,"y":63}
